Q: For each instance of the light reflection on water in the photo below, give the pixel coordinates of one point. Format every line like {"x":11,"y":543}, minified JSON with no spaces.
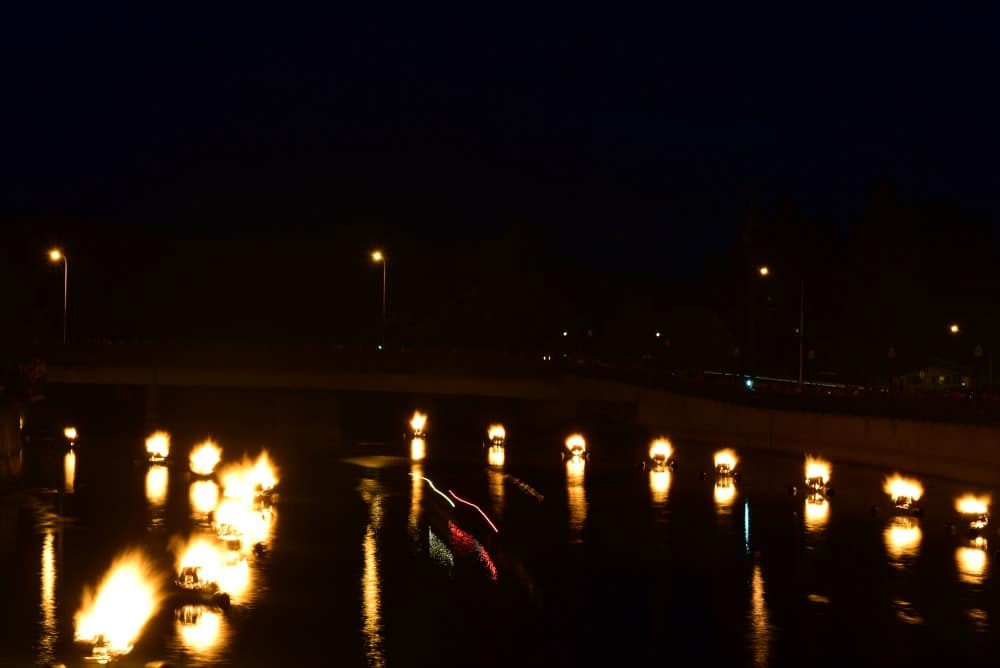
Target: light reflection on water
{"x":157,"y":479}
{"x":724,"y":494}
{"x":69,"y":471}
{"x":49,"y":629}
{"x":371,"y":586}
{"x":659,"y":487}
{"x":496,"y":492}
{"x":576,"y":497}
{"x":971,"y":562}
{"x":760,"y":622}
{"x":202,"y":631}
{"x":902,"y":541}
{"x":416,"y":499}
{"x":817,"y":512}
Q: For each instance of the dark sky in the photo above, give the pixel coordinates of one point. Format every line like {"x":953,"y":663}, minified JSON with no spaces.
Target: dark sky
{"x":621,"y":134}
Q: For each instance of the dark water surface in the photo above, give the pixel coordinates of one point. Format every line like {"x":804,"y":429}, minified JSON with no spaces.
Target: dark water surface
{"x":366,"y":565}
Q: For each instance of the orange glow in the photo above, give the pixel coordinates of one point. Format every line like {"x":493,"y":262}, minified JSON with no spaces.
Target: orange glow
{"x":764,"y":270}
{"x":158,"y":446}
{"x":69,"y":471}
{"x":659,"y":485}
{"x":112,"y":617}
{"x":202,"y":553}
{"x":418,"y":423}
{"x":576,"y":497}
{"x":817,"y":512}
{"x":817,"y":470}
{"x":55,"y":255}
{"x":759,"y":619}
{"x":204,"y":457}
{"x":418,"y":449}
{"x":576,"y":445}
{"x":497,"y":434}
{"x":50,"y":630}
{"x":973,"y":505}
{"x":204,"y":495}
{"x":235,"y":520}
{"x":70,"y":433}
{"x":248,"y":480}
{"x":496,"y":455}
{"x":157,"y":478}
{"x":377,"y":256}
{"x":725,"y":493}
{"x":199,"y":628}
{"x":971,"y":563}
{"x":898,"y":487}
{"x":496,"y":491}
{"x":953,"y":328}
{"x":902,"y":538}
{"x":661,"y":450}
{"x":725,"y":461}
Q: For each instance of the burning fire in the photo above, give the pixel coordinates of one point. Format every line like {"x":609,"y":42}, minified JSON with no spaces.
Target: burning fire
{"x":158,"y":446}
{"x":898,"y":487}
{"x":205,"y":457}
{"x":725,"y":461}
{"x":204,"y":496}
{"x":817,"y":469}
{"x":496,"y":456}
{"x":247,"y":480}
{"x":235,"y":520}
{"x":418,"y":449}
{"x":660,"y":450}
{"x":200,"y":553}
{"x":576,"y":445}
{"x":973,"y":505}
{"x":112,"y":618}
{"x":70,"y":433}
{"x":418,"y":423}
{"x":497,"y":434}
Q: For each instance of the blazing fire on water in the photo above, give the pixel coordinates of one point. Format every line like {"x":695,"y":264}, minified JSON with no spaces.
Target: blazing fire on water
{"x":418,"y":423}
{"x":904,"y":492}
{"x":248,"y":480}
{"x":817,"y":471}
{"x":112,"y":616}
{"x":972,"y":505}
{"x":576,"y":445}
{"x":725,"y":462}
{"x":205,"y":457}
{"x":660,"y":451}
{"x":158,"y":446}
{"x":497,"y":434}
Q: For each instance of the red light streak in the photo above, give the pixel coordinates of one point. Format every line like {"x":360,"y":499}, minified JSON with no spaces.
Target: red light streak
{"x":470,"y":503}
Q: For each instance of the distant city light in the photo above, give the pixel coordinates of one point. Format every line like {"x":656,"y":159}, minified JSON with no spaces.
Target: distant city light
{"x":764,"y":270}
{"x":565,"y":333}
{"x":953,"y":328}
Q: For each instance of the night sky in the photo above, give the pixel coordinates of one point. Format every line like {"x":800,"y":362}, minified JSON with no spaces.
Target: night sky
{"x":171,"y":148}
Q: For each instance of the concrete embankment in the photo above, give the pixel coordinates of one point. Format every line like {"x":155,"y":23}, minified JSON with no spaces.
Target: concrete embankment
{"x":954,"y":450}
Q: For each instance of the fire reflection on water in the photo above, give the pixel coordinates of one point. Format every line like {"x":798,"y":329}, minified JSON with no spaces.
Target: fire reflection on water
{"x":902,"y":541}
{"x":971,"y":562}
{"x":69,"y":471}
{"x":659,"y":487}
{"x":204,"y":495}
{"x":496,"y":492}
{"x":49,"y":629}
{"x":416,"y":499}
{"x":760,"y":623}
{"x":724,"y":494}
{"x":576,"y":497}
{"x":157,"y":479}
{"x":817,"y":512}
{"x":371,"y":586}
{"x":201,"y":630}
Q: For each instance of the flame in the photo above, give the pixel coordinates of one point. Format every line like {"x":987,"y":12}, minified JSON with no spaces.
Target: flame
{"x":496,"y":432}
{"x":418,"y":449}
{"x":899,"y":487}
{"x":660,"y":450}
{"x":725,"y":493}
{"x":204,"y":496}
{"x":817,"y":511}
{"x":200,"y":553}
{"x":659,"y":485}
{"x":725,"y":459}
{"x":576,"y":444}
{"x":158,"y":445}
{"x":246,"y":480}
{"x":127,"y":597}
{"x":69,"y":471}
{"x":971,"y":563}
{"x":70,"y":433}
{"x":496,"y":455}
{"x":817,"y":468}
{"x":204,"y":458}
{"x":418,"y":423}
{"x":156,"y":484}
{"x":236,"y":520}
{"x":199,"y":627}
{"x":234,"y":577}
{"x":973,"y":505}
{"x":902,"y":538}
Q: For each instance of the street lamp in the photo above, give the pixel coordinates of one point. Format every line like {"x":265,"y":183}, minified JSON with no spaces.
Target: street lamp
{"x":765,"y":271}
{"x":55,"y":255}
{"x":379,"y":256}
{"x":953,"y":328}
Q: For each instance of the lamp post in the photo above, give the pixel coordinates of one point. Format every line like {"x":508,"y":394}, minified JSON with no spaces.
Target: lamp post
{"x":764,"y":272}
{"x":55,"y":255}
{"x":379,"y":256}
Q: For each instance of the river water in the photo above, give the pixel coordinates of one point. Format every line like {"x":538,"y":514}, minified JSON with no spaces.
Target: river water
{"x":364,"y":562}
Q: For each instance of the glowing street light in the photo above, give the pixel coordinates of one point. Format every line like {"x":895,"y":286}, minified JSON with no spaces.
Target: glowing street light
{"x":55,"y":255}
{"x":953,"y":328}
{"x":379,"y":256}
{"x":764,"y":270}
